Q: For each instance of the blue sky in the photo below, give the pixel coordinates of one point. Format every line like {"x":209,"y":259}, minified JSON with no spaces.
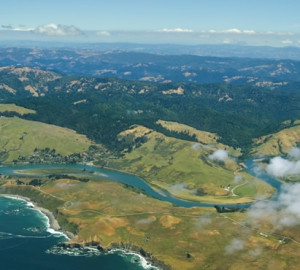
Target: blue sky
{"x":257,"y":22}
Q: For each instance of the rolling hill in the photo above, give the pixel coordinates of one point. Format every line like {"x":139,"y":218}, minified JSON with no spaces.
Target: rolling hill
{"x":186,"y":168}
{"x":21,"y":138}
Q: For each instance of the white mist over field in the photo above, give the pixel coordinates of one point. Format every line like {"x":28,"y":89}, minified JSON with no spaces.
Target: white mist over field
{"x":219,"y":155}
{"x":281,"y":167}
{"x":285,"y":210}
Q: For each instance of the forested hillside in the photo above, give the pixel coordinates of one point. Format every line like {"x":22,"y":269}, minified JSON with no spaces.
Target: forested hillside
{"x":103,"y":107}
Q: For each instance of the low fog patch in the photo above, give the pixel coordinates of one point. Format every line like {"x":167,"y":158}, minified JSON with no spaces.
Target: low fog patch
{"x":234,"y":246}
{"x":204,"y":220}
{"x":280,"y":167}
{"x":196,"y":146}
{"x":238,"y":179}
{"x":219,"y":155}
{"x":294,"y":153}
{"x":145,"y":221}
{"x":182,"y":187}
{"x":281,"y":213}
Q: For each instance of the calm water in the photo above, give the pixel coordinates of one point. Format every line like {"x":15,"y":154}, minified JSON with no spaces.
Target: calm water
{"x":27,"y":243}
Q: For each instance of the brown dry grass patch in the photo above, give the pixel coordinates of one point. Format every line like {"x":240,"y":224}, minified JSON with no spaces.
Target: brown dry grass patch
{"x":169,"y":221}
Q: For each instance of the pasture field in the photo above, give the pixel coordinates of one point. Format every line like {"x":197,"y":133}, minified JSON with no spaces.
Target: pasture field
{"x":14,"y":108}
{"x":19,"y":137}
{"x":109,"y":214}
{"x":184,"y":168}
{"x":279,"y":143}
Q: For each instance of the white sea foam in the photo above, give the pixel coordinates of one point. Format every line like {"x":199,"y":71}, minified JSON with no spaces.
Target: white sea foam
{"x":142,"y":261}
{"x":30,"y":204}
{"x":14,"y":197}
{"x":49,"y":229}
{"x":44,"y":216}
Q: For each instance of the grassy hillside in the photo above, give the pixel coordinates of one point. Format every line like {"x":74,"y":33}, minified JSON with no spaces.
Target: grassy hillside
{"x":184,"y":168}
{"x":199,"y":135}
{"x":21,"y":137}
{"x":14,"y":108}
{"x":278,"y":143}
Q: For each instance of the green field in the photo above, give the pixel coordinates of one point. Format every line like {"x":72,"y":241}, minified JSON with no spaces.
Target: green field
{"x":183,"y":168}
{"x":19,"y":137}
{"x":14,"y":108}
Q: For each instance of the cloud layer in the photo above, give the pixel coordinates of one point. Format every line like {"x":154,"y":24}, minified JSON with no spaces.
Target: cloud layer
{"x":281,"y":213}
{"x":178,"y":35}
{"x":57,"y":30}
{"x":176,"y":30}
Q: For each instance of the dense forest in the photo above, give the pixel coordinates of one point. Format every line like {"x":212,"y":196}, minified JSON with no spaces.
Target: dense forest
{"x":103,"y":107}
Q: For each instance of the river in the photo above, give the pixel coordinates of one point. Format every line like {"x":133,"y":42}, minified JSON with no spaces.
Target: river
{"x":132,"y":180}
{"x":25,"y":236}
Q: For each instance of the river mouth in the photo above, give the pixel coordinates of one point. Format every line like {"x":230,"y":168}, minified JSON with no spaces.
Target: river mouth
{"x":43,"y":170}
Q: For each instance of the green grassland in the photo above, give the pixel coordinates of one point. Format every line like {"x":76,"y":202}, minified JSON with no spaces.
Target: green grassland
{"x":108,"y":213}
{"x":199,"y":135}
{"x":14,"y":108}
{"x":279,"y":143}
{"x":183,"y":168}
{"x":21,"y":137}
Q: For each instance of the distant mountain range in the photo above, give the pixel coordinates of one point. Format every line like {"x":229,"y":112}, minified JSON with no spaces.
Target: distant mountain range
{"x":215,"y":50}
{"x":142,"y":66}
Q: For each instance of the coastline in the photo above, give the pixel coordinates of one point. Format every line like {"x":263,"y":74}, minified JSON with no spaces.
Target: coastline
{"x":52,"y":222}
{"x":147,"y":261}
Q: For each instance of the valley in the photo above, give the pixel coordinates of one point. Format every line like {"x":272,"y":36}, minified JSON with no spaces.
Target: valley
{"x":188,"y":141}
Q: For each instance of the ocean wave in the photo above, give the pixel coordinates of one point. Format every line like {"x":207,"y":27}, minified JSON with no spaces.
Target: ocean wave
{"x":92,"y":251}
{"x":83,"y":252}
{"x":134,"y":258}
{"x":44,"y":217}
{"x":50,"y":230}
{"x":6,"y":235}
{"x":57,"y":233}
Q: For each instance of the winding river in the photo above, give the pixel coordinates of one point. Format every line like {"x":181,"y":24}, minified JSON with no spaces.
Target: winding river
{"x":132,"y":180}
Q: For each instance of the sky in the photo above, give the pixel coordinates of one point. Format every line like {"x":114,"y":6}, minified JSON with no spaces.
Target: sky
{"x":253,"y":22}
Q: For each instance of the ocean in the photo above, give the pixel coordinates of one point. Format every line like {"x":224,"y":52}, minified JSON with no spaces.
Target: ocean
{"x":28,"y":243}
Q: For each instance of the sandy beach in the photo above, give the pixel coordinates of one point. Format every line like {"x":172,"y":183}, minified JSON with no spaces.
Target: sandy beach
{"x":53,"y":224}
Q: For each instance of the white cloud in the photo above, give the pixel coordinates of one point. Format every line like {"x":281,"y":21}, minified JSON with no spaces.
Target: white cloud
{"x":283,"y":212}
{"x":235,"y":245}
{"x":103,"y":33}
{"x":280,"y":167}
{"x":57,"y":30}
{"x":232,"y":31}
{"x":287,"y":42}
{"x":250,"y":32}
{"x":176,"y":30}
{"x":16,"y":28}
{"x":295,"y":153}
{"x":219,"y":155}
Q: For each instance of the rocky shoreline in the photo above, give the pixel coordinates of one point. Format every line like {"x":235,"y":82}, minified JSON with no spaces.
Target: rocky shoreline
{"x":150,"y":260}
{"x":72,"y":243}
